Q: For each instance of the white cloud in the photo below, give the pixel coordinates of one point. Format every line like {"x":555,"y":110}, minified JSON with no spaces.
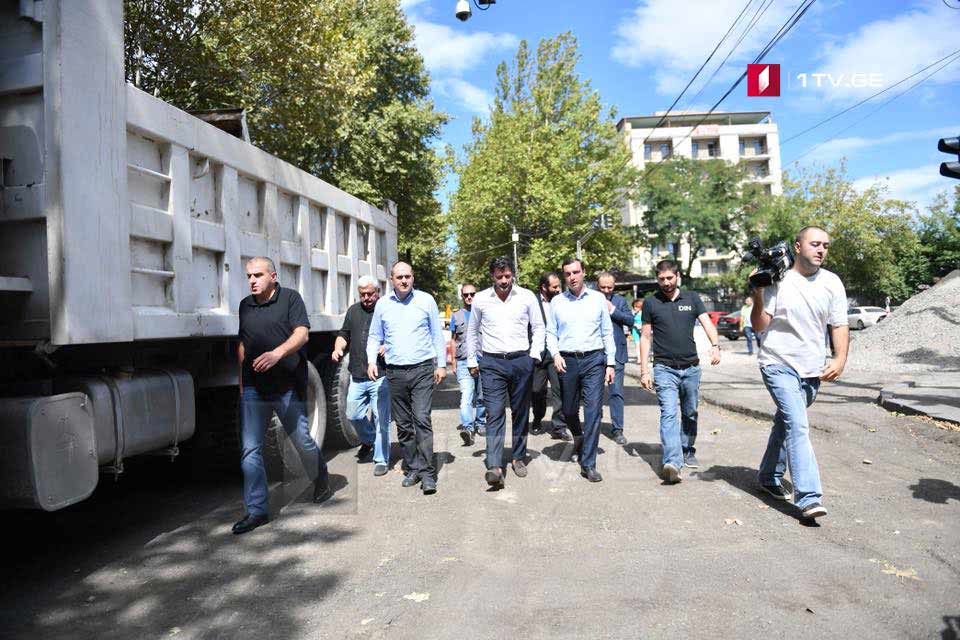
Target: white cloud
{"x":918,"y":185}
{"x":676,"y":38}
{"x":406,"y":5}
{"x":849,"y":147}
{"x":468,"y":95}
{"x":449,"y":51}
{"x":895,"y":48}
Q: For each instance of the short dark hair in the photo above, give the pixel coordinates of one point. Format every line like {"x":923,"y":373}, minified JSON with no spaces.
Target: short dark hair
{"x":502,"y":263}
{"x":637,"y":301}
{"x":606,"y":274}
{"x":803,"y":231}
{"x":667,"y":265}
{"x":545,"y":278}
{"x":569,"y":261}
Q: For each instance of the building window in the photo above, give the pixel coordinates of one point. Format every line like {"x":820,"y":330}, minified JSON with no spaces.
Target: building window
{"x":712,"y":149}
{"x":664,"y":150}
{"x":647,"y":151}
{"x":695,"y":148}
{"x":743,"y":147}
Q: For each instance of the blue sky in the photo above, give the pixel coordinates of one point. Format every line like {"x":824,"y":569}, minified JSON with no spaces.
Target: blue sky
{"x":640,"y":53}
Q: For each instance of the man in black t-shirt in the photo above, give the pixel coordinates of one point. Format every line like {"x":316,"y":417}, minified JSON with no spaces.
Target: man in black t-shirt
{"x":273,"y":378}
{"x":669,"y":317}
{"x":365,"y":395}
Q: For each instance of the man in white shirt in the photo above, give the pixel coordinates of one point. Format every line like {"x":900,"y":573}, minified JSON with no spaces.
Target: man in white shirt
{"x":508,"y":324}
{"x":795,"y":314}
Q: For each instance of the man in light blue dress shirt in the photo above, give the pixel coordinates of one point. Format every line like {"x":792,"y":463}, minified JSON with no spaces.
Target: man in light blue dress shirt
{"x":580,"y":339}
{"x":407,"y":324}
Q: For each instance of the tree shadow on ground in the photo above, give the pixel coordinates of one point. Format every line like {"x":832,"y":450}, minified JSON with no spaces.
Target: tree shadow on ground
{"x":935,"y":490}
{"x":951,"y":629}
{"x":745,"y":479}
{"x":150,"y":560}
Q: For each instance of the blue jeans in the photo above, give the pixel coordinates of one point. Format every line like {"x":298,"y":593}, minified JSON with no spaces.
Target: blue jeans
{"x":371,"y":396}
{"x":750,"y":335}
{"x":255,"y":412}
{"x":473,"y":413}
{"x":790,"y":436}
{"x":677,"y":386}
{"x":583,"y":381}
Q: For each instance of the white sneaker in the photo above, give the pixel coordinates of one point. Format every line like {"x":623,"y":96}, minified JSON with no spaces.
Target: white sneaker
{"x":671,"y":474}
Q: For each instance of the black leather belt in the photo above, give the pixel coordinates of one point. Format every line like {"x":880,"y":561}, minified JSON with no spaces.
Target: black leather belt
{"x":402,"y":367}
{"x":676,"y":364}
{"x":579,"y":354}
{"x":505,"y":356}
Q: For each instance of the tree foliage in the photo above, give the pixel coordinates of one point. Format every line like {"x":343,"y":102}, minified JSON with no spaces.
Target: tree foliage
{"x":701,"y":202}
{"x":547,"y":163}
{"x":874,"y":247}
{"x":939,"y":231}
{"x":335,"y":87}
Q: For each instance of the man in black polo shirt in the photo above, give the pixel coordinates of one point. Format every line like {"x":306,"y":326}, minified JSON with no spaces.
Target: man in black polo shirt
{"x":273,"y":378}
{"x":365,"y":395}
{"x":669,"y":317}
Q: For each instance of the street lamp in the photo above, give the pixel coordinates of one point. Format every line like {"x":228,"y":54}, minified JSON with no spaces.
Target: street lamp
{"x":599,"y":222}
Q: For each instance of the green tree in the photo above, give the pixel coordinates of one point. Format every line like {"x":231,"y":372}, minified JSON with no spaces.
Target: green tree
{"x":701,"y":202}
{"x":874,"y":248}
{"x":548,"y":162}
{"x":939,"y":231}
{"x":336,"y":88}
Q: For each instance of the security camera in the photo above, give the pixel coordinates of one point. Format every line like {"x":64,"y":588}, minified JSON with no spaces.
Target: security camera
{"x":463,"y":10}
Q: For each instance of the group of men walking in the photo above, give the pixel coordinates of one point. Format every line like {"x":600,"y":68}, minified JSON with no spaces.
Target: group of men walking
{"x":511,"y":345}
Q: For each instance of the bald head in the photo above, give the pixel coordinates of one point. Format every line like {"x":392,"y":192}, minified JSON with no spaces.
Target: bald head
{"x":401,"y":277}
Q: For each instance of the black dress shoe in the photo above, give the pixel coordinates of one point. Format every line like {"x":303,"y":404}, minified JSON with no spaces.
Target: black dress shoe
{"x":411,"y":479}
{"x":249,"y":523}
{"x":561,"y":434}
{"x":536,"y":428}
{"x":494,"y":477}
{"x":321,"y":487}
{"x":577,"y":448}
{"x":591,"y":474}
{"x":428,"y":486}
{"x":619,"y":438}
{"x":364,"y":452}
{"x":467,"y":436}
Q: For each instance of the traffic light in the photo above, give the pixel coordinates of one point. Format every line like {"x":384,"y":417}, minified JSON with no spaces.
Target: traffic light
{"x":603,"y":221}
{"x":950,"y":169}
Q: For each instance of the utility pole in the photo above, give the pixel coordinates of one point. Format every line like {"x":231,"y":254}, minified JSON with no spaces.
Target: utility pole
{"x":515,"y":238}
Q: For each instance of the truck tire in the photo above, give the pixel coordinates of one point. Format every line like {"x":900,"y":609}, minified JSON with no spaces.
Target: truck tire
{"x":280,"y":456}
{"x":336,"y":380}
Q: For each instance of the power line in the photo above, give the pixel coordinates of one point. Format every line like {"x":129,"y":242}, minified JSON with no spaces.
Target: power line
{"x":757,"y":15}
{"x":473,"y":253}
{"x":705,"y":62}
{"x":867,"y":99}
{"x":787,"y":26}
{"x":881,"y":106}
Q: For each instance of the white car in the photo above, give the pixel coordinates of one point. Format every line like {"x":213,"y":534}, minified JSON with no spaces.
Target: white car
{"x":863,"y":317}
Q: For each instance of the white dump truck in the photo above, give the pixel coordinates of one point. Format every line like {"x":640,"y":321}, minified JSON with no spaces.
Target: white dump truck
{"x":125,"y":224}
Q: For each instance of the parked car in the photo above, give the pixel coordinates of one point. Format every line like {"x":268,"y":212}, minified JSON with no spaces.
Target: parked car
{"x":863,"y":317}
{"x":715,"y":316}
{"x":729,"y":326}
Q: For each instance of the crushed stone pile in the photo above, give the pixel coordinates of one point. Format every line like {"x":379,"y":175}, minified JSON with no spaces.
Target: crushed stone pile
{"x":922,"y":335}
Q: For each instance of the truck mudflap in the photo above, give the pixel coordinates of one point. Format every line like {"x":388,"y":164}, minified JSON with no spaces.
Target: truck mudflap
{"x":49,"y":451}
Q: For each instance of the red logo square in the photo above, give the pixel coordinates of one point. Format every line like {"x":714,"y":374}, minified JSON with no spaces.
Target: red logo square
{"x":763,"y":80}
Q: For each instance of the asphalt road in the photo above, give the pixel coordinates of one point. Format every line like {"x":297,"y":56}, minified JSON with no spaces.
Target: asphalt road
{"x":550,"y":556}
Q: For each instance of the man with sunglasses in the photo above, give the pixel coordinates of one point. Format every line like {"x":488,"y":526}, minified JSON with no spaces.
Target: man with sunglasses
{"x":472,"y":412}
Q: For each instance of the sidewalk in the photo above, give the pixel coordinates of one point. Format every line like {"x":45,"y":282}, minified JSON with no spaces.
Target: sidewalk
{"x":735,"y":384}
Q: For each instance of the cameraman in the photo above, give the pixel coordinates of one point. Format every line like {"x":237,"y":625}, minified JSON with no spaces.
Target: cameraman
{"x":795,"y":314}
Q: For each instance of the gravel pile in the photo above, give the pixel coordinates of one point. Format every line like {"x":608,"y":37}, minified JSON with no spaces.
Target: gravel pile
{"x":922,"y":335}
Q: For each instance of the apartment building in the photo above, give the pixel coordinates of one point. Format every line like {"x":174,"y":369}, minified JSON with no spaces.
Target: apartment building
{"x":748,"y":137}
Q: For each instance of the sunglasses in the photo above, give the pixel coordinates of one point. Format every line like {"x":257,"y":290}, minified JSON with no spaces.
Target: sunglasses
{"x":468,"y":295}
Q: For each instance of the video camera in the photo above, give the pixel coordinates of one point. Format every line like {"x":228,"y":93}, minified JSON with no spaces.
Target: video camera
{"x":774,"y":262}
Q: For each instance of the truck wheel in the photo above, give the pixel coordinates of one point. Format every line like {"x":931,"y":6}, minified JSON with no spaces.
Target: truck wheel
{"x":336,"y":380}
{"x":280,"y":456}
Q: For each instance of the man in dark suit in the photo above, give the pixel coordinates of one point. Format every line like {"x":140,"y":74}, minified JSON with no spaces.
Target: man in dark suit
{"x":622,"y":320}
